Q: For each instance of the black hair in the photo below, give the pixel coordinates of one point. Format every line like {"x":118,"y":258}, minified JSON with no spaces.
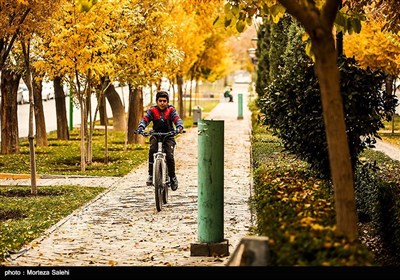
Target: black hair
{"x":162,"y":94}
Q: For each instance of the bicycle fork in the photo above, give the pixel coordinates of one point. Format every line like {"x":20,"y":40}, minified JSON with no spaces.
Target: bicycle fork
{"x":160,"y":158}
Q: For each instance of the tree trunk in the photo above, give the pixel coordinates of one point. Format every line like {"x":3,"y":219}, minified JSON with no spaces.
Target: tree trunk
{"x":181,"y":109}
{"x":102,"y":97}
{"x":319,"y":25}
{"x":102,"y":109}
{"x":40,"y":122}
{"x":82,"y":132}
{"x":390,"y":90}
{"x":61,"y":110}
{"x":89,"y":124}
{"x":135,"y":114}
{"x":117,"y":108}
{"x":339,"y":153}
{"x":9,"y":112}
{"x":30,"y":84}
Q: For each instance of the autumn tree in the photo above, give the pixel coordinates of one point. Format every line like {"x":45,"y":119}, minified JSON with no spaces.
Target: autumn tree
{"x":47,"y":65}
{"x":16,"y":25}
{"x":81,"y":55}
{"x":143,"y":53}
{"x":19,"y":21}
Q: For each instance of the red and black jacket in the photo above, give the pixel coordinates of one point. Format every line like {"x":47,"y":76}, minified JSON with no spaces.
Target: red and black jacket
{"x":162,"y":120}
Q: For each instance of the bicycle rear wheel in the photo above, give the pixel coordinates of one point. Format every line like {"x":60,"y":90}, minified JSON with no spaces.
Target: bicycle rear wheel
{"x":158,"y":185}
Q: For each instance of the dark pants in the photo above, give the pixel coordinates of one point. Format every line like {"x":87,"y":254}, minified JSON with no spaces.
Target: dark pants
{"x":169,"y":147}
{"x":230,"y":96}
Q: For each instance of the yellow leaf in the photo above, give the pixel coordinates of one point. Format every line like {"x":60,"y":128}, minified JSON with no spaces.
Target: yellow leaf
{"x":305,"y":37}
{"x":317,"y":227}
{"x":307,"y":221}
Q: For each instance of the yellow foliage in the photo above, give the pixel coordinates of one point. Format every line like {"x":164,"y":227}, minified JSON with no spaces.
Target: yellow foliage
{"x":130,"y":40}
{"x":374,"y":48}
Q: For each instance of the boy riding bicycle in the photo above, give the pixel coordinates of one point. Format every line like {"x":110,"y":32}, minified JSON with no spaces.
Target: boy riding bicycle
{"x":164,"y":116}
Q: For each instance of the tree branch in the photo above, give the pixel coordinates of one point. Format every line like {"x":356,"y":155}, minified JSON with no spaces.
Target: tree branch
{"x":329,"y":11}
{"x":307,"y":16}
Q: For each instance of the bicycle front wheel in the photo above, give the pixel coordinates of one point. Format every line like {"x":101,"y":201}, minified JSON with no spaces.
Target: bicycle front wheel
{"x":165,"y":193}
{"x":158,"y":185}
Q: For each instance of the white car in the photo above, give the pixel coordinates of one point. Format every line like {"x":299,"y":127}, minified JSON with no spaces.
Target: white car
{"x":47,"y":91}
{"x":23,"y":95}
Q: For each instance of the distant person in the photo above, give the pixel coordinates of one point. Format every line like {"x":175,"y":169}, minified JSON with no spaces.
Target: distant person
{"x":228,"y":93}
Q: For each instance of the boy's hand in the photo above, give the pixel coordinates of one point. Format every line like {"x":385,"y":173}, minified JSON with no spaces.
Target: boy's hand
{"x":179,"y":129}
{"x":139,"y":130}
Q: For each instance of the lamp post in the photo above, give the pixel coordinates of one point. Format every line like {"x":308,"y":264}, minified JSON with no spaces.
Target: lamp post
{"x":252,"y":54}
{"x":254,"y":60}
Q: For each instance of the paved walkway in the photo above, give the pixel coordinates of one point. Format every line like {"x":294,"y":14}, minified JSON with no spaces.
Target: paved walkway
{"x":389,"y":149}
{"x":121,"y":227}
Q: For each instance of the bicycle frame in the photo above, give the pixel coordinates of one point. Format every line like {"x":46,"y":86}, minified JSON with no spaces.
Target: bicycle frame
{"x":161,"y":181}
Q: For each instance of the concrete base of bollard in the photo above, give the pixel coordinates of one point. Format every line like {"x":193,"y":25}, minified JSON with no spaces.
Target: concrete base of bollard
{"x":210,"y":249}
{"x":251,"y":251}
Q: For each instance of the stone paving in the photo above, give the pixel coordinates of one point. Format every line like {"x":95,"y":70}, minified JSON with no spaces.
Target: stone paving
{"x":121,"y":227}
{"x":389,"y":149}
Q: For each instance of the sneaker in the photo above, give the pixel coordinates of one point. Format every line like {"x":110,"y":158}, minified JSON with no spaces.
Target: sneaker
{"x":149,"y":181}
{"x":174,"y":183}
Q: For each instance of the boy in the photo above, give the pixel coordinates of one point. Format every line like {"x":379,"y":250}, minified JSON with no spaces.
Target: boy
{"x":164,"y":116}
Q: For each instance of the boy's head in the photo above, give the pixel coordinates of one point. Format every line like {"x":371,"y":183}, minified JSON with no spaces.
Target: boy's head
{"x":162,"y":100}
{"x":162,"y":94}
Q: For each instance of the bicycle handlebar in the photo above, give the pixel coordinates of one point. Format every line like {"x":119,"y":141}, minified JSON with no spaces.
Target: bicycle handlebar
{"x":154,"y":133}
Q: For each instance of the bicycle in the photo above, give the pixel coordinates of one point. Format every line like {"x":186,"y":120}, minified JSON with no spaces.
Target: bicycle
{"x":161,"y":181}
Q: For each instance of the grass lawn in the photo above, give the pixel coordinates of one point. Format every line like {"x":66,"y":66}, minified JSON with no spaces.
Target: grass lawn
{"x":24,"y":217}
{"x":391,"y":132}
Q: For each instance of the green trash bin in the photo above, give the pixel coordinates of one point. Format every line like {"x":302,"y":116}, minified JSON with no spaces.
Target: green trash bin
{"x":196,"y":114}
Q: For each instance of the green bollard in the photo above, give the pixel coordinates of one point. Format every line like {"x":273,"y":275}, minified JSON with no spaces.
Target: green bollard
{"x":210,"y":217}
{"x":240,"y":104}
{"x":211,"y":181}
